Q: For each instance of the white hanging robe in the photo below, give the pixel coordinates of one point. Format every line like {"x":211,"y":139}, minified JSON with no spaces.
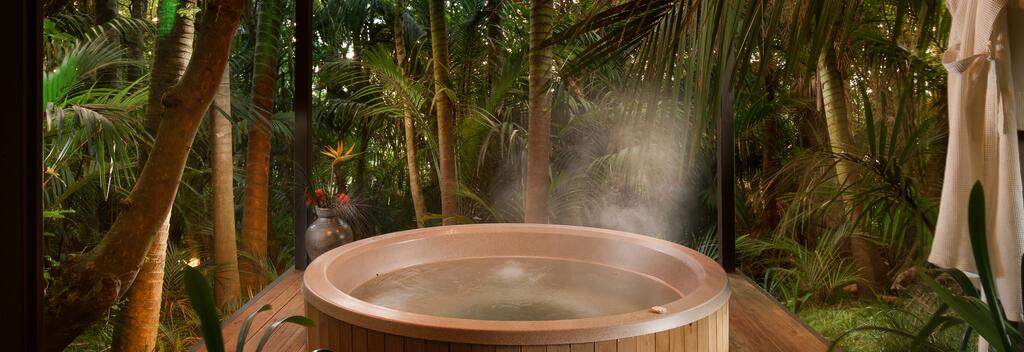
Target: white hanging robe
{"x":982,"y":146}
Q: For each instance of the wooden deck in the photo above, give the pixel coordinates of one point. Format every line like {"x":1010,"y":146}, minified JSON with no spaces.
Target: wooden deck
{"x":756,"y":321}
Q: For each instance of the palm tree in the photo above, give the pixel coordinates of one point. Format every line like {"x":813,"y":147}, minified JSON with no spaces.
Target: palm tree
{"x":89,"y":285}
{"x":134,"y":41}
{"x":833,"y":94}
{"x":257,"y":163}
{"x":444,"y":107}
{"x":105,"y":11}
{"x":538,"y":173}
{"x":415,"y":190}
{"x":138,"y":322}
{"x":227,"y":289}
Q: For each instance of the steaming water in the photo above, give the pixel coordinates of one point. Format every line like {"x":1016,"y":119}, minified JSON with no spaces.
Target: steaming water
{"x":515,"y":288}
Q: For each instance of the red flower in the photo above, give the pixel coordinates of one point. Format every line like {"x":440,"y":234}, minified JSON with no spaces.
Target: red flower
{"x":343,"y":198}
{"x":320,"y":196}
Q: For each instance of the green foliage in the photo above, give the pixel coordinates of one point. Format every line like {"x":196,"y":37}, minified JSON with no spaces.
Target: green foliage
{"x":167,"y":13}
{"x":797,"y":273}
{"x":984,"y":317}
{"x":58,"y":82}
{"x":908,"y":314}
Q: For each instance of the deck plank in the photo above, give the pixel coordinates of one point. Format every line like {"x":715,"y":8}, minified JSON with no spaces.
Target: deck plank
{"x":757,"y":323}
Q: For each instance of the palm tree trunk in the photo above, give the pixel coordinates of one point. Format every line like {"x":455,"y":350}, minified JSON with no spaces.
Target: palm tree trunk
{"x":418,"y":203}
{"x":138,"y":322}
{"x":443,"y":104}
{"x":104,"y":12}
{"x":88,"y":285}
{"x":538,"y":162}
{"x":227,"y":289}
{"x":833,"y":88}
{"x":134,"y":41}
{"x":494,"y":54}
{"x":257,"y":162}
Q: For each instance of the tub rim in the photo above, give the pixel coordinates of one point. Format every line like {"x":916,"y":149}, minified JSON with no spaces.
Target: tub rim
{"x":321,"y":294}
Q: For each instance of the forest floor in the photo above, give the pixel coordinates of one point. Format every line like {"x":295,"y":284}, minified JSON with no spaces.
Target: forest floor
{"x":835,"y":319}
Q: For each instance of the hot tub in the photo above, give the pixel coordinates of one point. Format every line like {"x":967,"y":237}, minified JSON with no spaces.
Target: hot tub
{"x":516,"y":288}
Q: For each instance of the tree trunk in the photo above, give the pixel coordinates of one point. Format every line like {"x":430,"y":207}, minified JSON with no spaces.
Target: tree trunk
{"x":104,"y":12}
{"x":137,"y":324}
{"x":812,"y":127}
{"x":227,"y":286}
{"x":90,"y":284}
{"x":418,"y":203}
{"x":135,"y":41}
{"x":494,"y":50}
{"x":443,"y":104}
{"x":257,"y":164}
{"x":538,"y":162}
{"x":865,"y":252}
{"x":52,"y":7}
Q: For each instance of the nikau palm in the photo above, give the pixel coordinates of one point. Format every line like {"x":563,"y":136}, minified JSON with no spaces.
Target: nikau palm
{"x":833,"y":94}
{"x":138,"y":322}
{"x":445,"y":110}
{"x":415,"y":190}
{"x":257,"y":162}
{"x":227,"y":283}
{"x":538,"y":173}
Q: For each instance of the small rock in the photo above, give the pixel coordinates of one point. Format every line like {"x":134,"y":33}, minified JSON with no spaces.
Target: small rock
{"x":658,"y":310}
{"x":851,"y":288}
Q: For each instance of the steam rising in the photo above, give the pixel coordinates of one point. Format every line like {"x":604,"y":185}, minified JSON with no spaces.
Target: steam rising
{"x":623,"y":168}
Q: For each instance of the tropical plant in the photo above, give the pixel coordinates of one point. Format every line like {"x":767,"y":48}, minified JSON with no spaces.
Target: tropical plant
{"x":227,"y":286}
{"x":91,"y":283}
{"x":983,"y":315}
{"x":257,"y":160}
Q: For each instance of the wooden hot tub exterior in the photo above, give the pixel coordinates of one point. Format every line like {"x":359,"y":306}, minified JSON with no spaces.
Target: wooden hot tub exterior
{"x":710,"y":334}
{"x":698,"y":321}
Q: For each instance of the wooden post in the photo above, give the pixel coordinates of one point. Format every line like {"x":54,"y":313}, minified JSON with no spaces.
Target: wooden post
{"x":726,"y":176}
{"x":302,"y":139}
{"x":21,"y":152}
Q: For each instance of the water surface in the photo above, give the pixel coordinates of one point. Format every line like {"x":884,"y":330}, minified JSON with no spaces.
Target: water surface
{"x":515,"y":288}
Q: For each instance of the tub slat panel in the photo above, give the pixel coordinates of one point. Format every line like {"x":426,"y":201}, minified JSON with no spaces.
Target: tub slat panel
{"x":418,"y":345}
{"x":690,"y":337}
{"x":485,"y":348}
{"x":707,"y":332}
{"x":606,"y":346}
{"x":461,"y":347}
{"x":676,"y":339}
{"x":333,"y":331}
{"x":374,"y":341}
{"x":512,"y":349}
{"x":723,"y":321}
{"x":582,"y":347}
{"x":431,"y":346}
{"x":394,"y":343}
{"x":645,"y":343}
{"x":533,"y":349}
{"x":557,"y":348}
{"x":358,"y":339}
{"x":627,"y":344}
{"x":314,"y":333}
{"x":345,"y":336}
{"x":662,"y":341}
